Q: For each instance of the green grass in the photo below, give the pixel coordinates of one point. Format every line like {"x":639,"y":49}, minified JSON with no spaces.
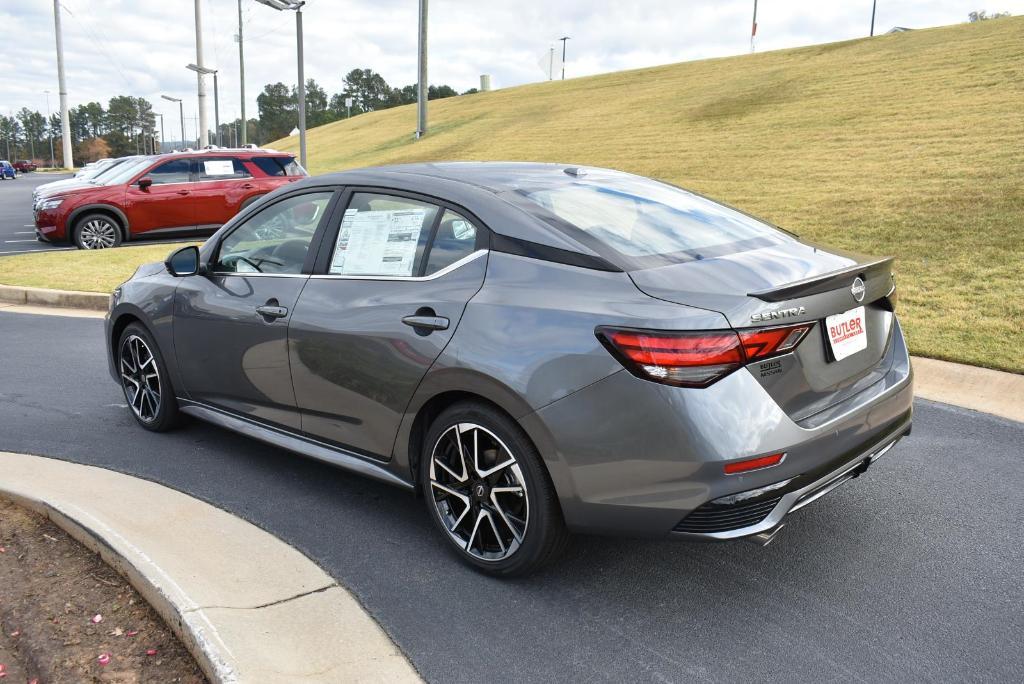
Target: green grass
{"x":87,"y":271}
{"x":909,"y":144}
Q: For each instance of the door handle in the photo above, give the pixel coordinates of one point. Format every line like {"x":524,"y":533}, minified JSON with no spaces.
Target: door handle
{"x":247,"y":186}
{"x":183,"y":192}
{"x":426,"y":323}
{"x":271,"y":311}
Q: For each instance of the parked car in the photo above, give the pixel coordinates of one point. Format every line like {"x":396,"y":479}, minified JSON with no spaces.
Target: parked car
{"x":7,"y":170}
{"x":185,"y":193}
{"x":97,"y":174}
{"x":25,"y":165}
{"x":533,"y":349}
{"x":92,"y":167}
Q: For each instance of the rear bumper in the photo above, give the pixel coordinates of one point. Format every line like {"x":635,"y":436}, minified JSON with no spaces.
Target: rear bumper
{"x":631,"y":457}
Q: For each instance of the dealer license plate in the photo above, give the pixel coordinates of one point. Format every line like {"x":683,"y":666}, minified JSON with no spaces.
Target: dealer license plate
{"x":847,"y":333}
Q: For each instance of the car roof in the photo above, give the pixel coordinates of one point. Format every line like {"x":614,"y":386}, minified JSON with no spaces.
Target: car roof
{"x":222,"y":151}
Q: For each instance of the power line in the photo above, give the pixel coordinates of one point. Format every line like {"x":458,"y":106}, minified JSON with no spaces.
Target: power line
{"x":99,"y":43}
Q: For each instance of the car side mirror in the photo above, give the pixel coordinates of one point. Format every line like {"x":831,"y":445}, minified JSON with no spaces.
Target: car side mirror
{"x":184,"y":262}
{"x":144,"y":183}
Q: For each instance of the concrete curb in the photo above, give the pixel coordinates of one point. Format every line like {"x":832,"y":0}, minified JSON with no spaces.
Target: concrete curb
{"x":38,"y":296}
{"x":248,"y":607}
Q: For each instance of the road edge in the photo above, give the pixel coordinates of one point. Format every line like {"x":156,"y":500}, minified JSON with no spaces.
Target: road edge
{"x":231,"y":643}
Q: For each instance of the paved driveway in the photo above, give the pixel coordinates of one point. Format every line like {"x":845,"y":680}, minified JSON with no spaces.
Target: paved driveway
{"x":912,"y":572}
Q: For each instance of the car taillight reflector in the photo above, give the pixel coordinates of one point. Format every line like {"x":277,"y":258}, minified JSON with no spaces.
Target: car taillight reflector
{"x":699,"y":358}
{"x":753,"y":464}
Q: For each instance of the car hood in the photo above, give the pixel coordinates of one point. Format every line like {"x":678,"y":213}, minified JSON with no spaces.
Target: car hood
{"x":68,"y":191}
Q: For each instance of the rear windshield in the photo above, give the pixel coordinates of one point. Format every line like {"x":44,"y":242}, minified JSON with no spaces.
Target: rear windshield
{"x":645,"y":222}
{"x":279,"y":166}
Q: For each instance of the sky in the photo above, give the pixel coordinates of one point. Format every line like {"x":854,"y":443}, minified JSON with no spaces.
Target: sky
{"x":140,"y":48}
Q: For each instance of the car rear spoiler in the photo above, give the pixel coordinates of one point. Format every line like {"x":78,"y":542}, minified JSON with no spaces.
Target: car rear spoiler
{"x":824,"y":282}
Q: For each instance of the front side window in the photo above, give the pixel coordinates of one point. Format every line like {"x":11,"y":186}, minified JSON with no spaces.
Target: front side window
{"x":276,"y":239}
{"x":382,"y":235}
{"x":174,"y":171}
{"x":221,"y":169}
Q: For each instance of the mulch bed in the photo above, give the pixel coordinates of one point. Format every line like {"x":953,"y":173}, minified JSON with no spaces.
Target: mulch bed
{"x":66,"y":616}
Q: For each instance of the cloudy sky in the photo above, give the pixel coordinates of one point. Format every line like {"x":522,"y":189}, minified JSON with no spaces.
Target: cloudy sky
{"x":141,"y":47}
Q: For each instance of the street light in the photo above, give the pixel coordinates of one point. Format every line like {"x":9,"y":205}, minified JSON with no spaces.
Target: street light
{"x":563,"y":39}
{"x":181,"y":114}
{"x":296,"y":6}
{"x":216,"y":97}
{"x":49,"y":128}
{"x":161,"y":132}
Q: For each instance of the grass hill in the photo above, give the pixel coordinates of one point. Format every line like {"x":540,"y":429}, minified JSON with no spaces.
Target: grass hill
{"x":909,"y":144}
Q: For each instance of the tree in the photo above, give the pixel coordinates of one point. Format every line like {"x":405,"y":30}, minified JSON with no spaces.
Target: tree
{"x":318,"y":110}
{"x":439,"y":92}
{"x":278,"y":111}
{"x":368,"y":90}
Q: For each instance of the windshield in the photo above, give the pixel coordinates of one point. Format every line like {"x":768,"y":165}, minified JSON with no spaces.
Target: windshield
{"x":99,"y":168}
{"x":649,"y":222}
{"x":123,"y":173}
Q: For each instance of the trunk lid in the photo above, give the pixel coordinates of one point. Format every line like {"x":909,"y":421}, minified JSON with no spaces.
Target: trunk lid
{"x":784,"y":284}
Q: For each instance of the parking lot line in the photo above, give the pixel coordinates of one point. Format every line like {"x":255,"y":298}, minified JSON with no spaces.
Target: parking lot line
{"x":38,"y":251}
{"x":24,"y":232}
{"x":9,"y":241}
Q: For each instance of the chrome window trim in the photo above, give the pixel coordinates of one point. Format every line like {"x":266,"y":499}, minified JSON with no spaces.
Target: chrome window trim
{"x":258,"y":275}
{"x":437,"y":274}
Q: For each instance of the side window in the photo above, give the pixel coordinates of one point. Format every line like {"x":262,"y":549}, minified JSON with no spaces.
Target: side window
{"x":382,"y":235}
{"x":279,"y":166}
{"x":455,"y":239}
{"x":174,"y":171}
{"x":276,"y":239}
{"x":222,"y":169}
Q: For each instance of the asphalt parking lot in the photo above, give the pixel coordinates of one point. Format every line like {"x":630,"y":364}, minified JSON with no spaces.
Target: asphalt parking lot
{"x":912,"y":572}
{"x":17,"y":229}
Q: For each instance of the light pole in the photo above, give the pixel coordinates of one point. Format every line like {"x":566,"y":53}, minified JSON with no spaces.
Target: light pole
{"x":65,"y":119}
{"x":563,"y":39}
{"x":49,"y":128}
{"x":203,"y":132}
{"x":874,"y":4}
{"x":296,"y":6}
{"x":422,"y":89}
{"x":241,"y":69}
{"x":216,"y":98}
{"x":181,"y":115}
{"x":753,"y":27}
{"x":161,"y":133}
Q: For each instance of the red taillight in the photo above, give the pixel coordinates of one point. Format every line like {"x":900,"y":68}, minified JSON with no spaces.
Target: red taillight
{"x":696,"y":359}
{"x":753,"y":464}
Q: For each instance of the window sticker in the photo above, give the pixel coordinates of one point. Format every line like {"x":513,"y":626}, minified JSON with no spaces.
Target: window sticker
{"x":219,"y":167}
{"x":463,"y":230}
{"x":378,"y":242}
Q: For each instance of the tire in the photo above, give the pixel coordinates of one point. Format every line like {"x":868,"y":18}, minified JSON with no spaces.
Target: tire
{"x":138,"y":360}
{"x":96,"y":231}
{"x":477,"y":506}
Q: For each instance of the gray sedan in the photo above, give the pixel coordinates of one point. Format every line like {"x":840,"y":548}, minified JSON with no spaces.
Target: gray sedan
{"x":532,"y":348}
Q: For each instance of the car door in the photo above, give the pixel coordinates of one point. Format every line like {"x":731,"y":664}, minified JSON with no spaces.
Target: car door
{"x":221,"y":185}
{"x":382,"y":304}
{"x":166,"y":205}
{"x":231,"y":322}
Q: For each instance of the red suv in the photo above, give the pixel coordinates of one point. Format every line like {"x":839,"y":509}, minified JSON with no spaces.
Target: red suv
{"x":25,"y":165}
{"x":183,"y":193}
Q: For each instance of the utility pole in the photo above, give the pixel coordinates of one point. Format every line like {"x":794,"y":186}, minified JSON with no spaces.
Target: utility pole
{"x":753,"y":28}
{"x":216,"y":98}
{"x":874,"y":4}
{"x":65,"y":120}
{"x":201,"y":78}
{"x":422,"y":89}
{"x":563,"y":39}
{"x":49,"y":128}
{"x":241,"y":69}
{"x":161,"y":133}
